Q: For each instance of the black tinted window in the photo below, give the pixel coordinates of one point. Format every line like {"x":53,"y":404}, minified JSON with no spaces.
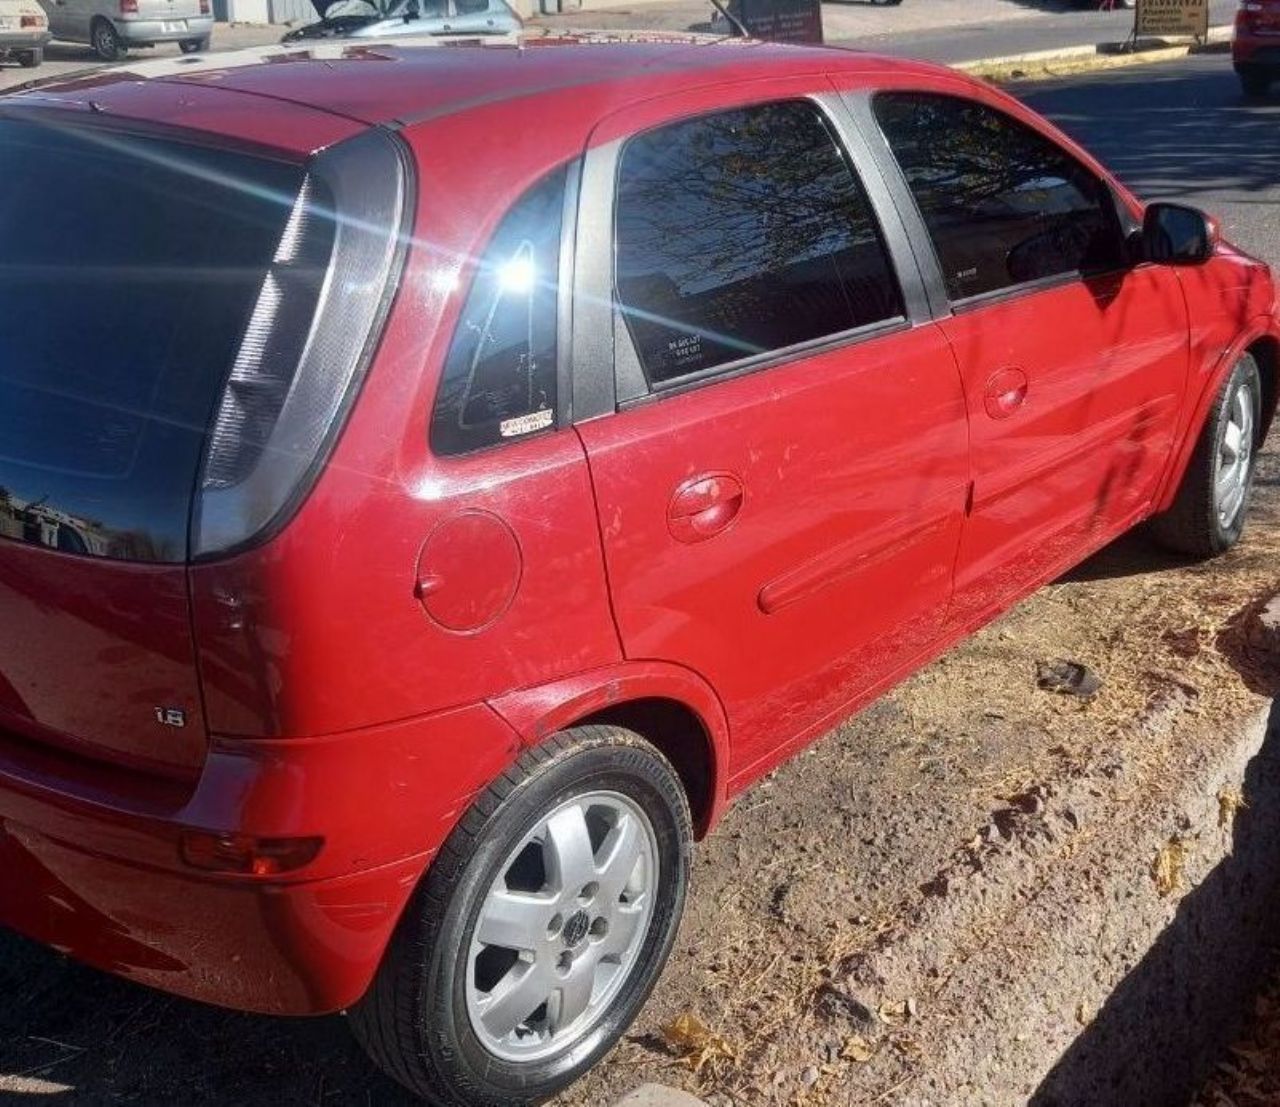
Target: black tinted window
{"x":129,"y":269}
{"x":499,"y":379}
{"x":1004,"y":204}
{"x":743,"y":232}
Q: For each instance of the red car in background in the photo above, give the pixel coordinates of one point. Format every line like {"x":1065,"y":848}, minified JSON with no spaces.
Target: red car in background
{"x":1255,"y":46}
{"x":470,"y":467}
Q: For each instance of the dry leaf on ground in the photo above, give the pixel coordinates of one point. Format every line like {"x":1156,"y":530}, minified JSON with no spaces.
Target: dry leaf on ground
{"x":1230,"y":801}
{"x":695,"y":1042}
{"x":857,"y":1048}
{"x":1167,"y":868}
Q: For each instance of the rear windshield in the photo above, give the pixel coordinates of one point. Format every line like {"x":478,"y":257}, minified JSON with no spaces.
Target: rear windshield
{"x":129,"y":268}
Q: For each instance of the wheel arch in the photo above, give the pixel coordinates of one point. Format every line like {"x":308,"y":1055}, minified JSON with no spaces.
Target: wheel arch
{"x":1262,"y":340}
{"x":1266,"y":352}
{"x":668,"y":705}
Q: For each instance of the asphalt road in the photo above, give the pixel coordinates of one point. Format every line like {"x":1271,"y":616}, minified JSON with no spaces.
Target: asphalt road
{"x":60,"y":59}
{"x":1051,"y":31}
{"x":1181,"y":130}
{"x":64,"y":58}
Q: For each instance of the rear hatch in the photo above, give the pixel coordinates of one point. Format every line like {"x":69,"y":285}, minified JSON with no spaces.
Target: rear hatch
{"x":130,"y":271}
{"x":168,"y":11}
{"x":1261,"y":17}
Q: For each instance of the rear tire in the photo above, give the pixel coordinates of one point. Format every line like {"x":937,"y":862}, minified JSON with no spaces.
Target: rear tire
{"x":446,"y":1014}
{"x":1208,"y":515}
{"x":194,"y":45}
{"x":31,"y":59}
{"x":106,"y":40}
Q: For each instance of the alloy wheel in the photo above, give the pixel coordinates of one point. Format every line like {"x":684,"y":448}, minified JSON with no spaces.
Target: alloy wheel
{"x":106,"y":43}
{"x":561,"y":927}
{"x":1234,"y":465}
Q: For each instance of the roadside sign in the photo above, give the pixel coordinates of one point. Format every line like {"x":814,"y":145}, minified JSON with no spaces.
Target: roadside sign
{"x":1161,"y":18}
{"x":780,"y":20}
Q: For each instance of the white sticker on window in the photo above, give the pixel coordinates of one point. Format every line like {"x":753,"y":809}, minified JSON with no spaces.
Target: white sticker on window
{"x":526,"y":424}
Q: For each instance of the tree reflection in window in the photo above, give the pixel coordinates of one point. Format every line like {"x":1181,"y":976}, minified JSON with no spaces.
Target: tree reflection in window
{"x":744,"y":232}
{"x":1003,"y":204}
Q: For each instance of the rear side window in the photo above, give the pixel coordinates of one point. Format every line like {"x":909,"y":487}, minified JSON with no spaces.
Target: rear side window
{"x":129,"y":272}
{"x":1003,"y":204}
{"x":744,"y":232}
{"x":499,"y":378}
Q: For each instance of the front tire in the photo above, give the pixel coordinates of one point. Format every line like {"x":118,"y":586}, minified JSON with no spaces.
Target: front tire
{"x":1208,"y":516}
{"x":106,"y":40}
{"x":539,"y":930}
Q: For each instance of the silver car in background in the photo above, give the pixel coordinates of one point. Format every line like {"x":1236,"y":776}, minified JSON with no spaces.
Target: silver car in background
{"x":112,"y":27}
{"x":391,"y":18}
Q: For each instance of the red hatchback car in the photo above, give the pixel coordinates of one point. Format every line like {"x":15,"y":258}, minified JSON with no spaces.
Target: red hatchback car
{"x":467,"y":468}
{"x":1255,"y":46}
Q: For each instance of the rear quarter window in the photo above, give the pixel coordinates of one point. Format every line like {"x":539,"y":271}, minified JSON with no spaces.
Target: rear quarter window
{"x":499,"y":377}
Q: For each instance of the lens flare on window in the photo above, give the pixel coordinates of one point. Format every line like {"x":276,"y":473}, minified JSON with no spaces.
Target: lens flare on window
{"x":518,"y":274}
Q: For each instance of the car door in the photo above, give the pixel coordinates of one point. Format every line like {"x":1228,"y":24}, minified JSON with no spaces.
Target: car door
{"x":782,"y":484}
{"x":58,"y":12}
{"x":1074,"y":360}
{"x":77,"y":15}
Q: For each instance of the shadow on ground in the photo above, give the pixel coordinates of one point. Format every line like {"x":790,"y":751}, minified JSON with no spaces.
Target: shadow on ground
{"x":1160,"y":1032}
{"x":76,"y":1036}
{"x":1173,"y":132}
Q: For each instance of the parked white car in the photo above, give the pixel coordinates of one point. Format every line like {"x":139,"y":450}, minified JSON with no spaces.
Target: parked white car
{"x":112,"y":27}
{"x":396,"y":18}
{"x":24,"y":30}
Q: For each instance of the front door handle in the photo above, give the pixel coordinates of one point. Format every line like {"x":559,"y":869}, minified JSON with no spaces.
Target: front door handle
{"x":704,"y":506}
{"x":1005,"y":393}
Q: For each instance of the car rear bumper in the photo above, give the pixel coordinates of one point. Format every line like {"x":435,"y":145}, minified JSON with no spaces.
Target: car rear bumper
{"x":91,"y":859}
{"x":23,"y":40}
{"x":1256,"y":54}
{"x":143,"y":31}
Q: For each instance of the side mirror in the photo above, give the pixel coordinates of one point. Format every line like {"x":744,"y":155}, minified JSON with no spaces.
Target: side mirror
{"x":1176,"y":235}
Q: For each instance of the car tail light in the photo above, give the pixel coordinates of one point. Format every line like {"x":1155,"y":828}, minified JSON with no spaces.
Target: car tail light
{"x":204,"y":7}
{"x":308,"y":343}
{"x":128,"y":7}
{"x":34,"y":21}
{"x":1247,"y":14}
{"x":247,"y":854}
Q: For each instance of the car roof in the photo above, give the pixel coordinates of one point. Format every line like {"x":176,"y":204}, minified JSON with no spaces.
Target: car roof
{"x":408,"y":81}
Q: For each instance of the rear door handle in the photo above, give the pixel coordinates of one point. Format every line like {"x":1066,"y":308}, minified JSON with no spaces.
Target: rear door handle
{"x":1005,"y":393}
{"x":704,"y":506}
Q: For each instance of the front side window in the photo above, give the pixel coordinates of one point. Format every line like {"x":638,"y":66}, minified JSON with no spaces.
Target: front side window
{"x":499,"y":379}
{"x":1003,"y":204}
{"x":744,"y":232}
